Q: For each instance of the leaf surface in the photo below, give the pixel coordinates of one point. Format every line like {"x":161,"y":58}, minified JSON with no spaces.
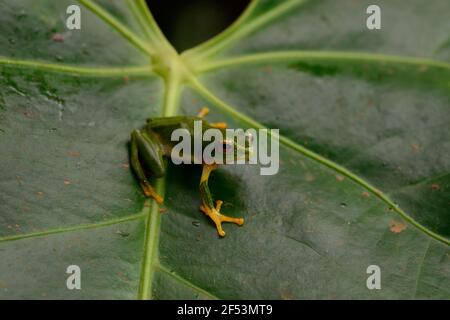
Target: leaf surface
{"x":364,"y":143}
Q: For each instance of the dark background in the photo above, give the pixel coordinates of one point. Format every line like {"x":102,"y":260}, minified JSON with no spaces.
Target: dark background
{"x":187,"y":23}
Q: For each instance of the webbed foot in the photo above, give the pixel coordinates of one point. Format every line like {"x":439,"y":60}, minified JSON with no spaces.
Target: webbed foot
{"x":150,"y":192}
{"x":218,"y":218}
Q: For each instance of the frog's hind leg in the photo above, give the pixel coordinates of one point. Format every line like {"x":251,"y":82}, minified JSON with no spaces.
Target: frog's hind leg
{"x":207,"y":206}
{"x":137,"y":168}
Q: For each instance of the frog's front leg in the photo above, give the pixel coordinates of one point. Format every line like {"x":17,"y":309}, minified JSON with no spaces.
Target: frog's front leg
{"x":207,"y":205}
{"x":143,"y":147}
{"x":218,"y":125}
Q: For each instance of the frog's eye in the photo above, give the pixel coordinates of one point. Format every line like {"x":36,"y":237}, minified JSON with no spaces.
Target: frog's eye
{"x":227,"y":147}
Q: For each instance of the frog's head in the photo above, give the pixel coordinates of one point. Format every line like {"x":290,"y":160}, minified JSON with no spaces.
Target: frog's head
{"x":241,"y":147}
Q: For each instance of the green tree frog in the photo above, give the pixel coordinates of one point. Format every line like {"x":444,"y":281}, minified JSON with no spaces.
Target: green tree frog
{"x":153,"y":142}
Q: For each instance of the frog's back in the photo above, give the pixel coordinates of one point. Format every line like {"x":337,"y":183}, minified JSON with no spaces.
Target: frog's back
{"x":175,"y":121}
{"x":164,"y":126}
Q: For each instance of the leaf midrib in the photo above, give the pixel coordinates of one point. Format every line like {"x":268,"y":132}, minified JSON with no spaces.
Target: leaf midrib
{"x":150,"y":259}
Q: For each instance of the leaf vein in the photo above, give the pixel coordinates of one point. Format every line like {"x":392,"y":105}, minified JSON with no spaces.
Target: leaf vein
{"x":316,"y":157}
{"x":321,"y":56}
{"x":233,"y":34}
{"x":132,"y":217}
{"x":186,"y":282}
{"x":77,"y":70}
{"x":118,"y":26}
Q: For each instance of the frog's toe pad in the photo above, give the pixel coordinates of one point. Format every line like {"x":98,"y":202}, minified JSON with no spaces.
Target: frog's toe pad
{"x":219,"y":125}
{"x":203,"y":112}
{"x":218,"y":218}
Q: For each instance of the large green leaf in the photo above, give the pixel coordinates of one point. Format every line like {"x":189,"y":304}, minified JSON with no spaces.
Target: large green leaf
{"x":364,"y":174}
